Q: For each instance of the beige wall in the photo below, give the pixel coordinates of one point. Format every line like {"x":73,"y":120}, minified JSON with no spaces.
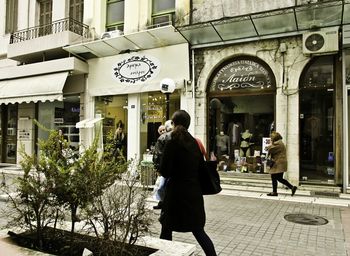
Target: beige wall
{"x":210,"y":10}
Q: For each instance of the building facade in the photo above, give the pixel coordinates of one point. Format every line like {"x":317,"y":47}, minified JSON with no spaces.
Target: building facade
{"x":263,"y":66}
{"x":240,"y":68}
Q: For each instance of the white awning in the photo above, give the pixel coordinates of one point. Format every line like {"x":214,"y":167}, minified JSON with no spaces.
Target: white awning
{"x":88,"y":123}
{"x":36,"y":88}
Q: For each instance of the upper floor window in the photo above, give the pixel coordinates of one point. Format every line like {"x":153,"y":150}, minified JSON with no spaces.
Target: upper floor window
{"x":45,"y":16}
{"x":76,"y":10}
{"x":115,"y":15}
{"x":11,"y":16}
{"x":163,"y":12}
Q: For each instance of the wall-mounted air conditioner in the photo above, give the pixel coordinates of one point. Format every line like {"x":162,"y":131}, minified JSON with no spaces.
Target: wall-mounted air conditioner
{"x":111,"y":34}
{"x":323,"y":41}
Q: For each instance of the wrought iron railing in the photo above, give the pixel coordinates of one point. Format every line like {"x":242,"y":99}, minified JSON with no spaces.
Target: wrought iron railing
{"x":67,"y":24}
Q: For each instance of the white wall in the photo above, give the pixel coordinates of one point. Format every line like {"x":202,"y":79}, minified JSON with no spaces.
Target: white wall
{"x":133,"y":134}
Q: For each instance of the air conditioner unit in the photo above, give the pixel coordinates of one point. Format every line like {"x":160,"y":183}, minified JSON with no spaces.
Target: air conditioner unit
{"x":321,"y":42}
{"x":111,"y":34}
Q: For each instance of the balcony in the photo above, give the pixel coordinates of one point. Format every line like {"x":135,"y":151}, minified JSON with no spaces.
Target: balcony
{"x":45,"y":42}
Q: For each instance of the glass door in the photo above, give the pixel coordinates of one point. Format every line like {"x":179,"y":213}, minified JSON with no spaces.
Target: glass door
{"x":316,"y":126}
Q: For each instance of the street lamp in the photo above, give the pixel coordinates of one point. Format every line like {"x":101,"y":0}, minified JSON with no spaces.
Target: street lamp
{"x":167,"y":86}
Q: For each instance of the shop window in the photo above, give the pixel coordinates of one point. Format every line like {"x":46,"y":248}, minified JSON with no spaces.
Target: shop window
{"x":163,"y":12}
{"x":115,"y":15}
{"x":61,"y":116}
{"x":241,"y":114}
{"x":153,"y":114}
{"x":11,"y":16}
{"x":11,"y":133}
{"x":115,"y":123}
{"x":316,"y":125}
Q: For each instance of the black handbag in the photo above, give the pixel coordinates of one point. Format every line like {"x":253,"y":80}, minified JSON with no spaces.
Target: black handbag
{"x":209,"y":178}
{"x":270,"y":162}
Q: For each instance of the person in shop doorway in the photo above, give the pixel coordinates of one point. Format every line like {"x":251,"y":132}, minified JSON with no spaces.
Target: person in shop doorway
{"x":164,"y":136}
{"x":277,"y":152}
{"x":120,"y":141}
{"x":183,"y":204}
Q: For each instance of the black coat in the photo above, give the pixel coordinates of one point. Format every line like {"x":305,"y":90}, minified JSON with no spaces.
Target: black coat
{"x":183,"y":205}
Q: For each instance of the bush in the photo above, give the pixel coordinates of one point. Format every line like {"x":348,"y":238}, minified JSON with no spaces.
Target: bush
{"x":101,"y":185}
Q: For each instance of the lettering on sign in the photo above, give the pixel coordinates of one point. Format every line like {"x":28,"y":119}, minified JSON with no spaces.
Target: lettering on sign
{"x":136,"y":69}
{"x":241,"y":74}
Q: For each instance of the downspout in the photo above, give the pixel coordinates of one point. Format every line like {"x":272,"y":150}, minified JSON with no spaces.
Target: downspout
{"x":193,"y":91}
{"x":345,"y":131}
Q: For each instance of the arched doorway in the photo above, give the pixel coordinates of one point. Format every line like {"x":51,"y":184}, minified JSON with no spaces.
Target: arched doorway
{"x":316,"y":126}
{"x":241,"y":113}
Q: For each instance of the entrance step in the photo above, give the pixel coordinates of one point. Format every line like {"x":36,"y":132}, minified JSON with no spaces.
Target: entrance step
{"x":262,"y":183}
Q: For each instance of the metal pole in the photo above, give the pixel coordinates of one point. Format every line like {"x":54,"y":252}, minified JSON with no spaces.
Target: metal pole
{"x":167,"y":95}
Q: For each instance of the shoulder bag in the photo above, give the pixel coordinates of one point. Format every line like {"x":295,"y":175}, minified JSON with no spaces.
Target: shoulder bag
{"x":209,"y":178}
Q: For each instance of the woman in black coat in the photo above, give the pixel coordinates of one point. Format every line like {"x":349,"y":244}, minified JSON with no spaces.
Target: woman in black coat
{"x":183,"y":205}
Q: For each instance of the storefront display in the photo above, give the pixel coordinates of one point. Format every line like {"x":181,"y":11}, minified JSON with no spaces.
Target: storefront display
{"x":241,"y":114}
{"x":63,"y":116}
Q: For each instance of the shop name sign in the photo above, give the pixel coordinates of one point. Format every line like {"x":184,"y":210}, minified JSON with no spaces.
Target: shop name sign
{"x":241,"y":74}
{"x":136,"y":69}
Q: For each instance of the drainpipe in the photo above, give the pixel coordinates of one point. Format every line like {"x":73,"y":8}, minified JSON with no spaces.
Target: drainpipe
{"x":193,"y":92}
{"x":345,"y":131}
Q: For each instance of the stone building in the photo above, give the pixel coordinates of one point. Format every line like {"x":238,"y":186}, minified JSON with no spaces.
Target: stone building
{"x":273,"y":65}
{"x":241,"y":68}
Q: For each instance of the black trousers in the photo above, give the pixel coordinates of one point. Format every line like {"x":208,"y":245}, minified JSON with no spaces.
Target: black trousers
{"x":202,"y":238}
{"x":279,"y":177}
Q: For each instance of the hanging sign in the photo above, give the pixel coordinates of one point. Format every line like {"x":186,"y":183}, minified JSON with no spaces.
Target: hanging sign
{"x":136,"y":69}
{"x":242,"y":74}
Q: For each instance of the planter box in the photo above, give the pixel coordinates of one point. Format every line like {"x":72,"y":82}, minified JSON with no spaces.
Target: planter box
{"x":164,"y":247}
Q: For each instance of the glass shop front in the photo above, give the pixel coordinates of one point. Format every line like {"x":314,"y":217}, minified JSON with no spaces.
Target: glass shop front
{"x":241,"y":114}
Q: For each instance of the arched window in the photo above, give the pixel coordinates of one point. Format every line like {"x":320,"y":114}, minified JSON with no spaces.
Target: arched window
{"x":241,"y":107}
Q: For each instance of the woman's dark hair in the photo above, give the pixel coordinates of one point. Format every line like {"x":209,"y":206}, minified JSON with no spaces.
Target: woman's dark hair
{"x":181,"y":121}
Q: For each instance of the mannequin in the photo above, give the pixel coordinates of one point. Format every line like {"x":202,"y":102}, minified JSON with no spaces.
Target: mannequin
{"x":222,"y":144}
{"x":234,"y":132}
{"x":245,"y":144}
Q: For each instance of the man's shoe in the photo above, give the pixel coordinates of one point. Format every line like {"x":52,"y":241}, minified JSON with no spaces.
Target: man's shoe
{"x":293,"y":190}
{"x":158,"y":206}
{"x":272,"y":194}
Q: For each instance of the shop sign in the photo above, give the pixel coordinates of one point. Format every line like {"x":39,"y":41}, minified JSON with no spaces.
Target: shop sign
{"x":136,"y":69}
{"x":241,"y":74}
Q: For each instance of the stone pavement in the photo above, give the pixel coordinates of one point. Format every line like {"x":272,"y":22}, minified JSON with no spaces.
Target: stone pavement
{"x":244,"y":222}
{"x":250,"y":223}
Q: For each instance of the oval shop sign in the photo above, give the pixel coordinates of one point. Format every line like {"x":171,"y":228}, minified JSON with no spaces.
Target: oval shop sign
{"x":136,"y":69}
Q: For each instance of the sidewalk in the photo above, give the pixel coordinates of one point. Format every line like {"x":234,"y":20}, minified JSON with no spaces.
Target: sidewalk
{"x":250,"y":223}
{"x":242,"y":220}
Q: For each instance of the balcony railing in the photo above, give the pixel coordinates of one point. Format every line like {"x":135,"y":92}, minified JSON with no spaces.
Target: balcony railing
{"x":67,"y":24}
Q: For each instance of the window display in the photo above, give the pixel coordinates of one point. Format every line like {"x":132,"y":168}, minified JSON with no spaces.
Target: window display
{"x":237,"y":129}
{"x":61,"y":115}
{"x":153,"y":114}
{"x":241,"y":113}
{"x":114,"y":111}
